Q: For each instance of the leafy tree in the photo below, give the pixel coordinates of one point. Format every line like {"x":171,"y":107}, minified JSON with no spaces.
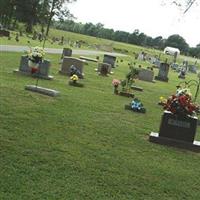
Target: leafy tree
{"x":178,"y":42}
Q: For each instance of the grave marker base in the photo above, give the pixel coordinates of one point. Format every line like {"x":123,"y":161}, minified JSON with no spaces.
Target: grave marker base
{"x":161,"y":79}
{"x":134,"y":87}
{"x":126,"y":94}
{"x":155,"y":138}
{"x":76,"y":84}
{"x":29,"y":74}
{"x":42,"y":90}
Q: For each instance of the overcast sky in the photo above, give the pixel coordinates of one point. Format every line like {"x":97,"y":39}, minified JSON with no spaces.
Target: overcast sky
{"x":149,"y":16}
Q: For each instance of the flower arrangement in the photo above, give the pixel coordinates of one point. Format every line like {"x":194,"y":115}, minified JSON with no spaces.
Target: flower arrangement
{"x":126,"y":83}
{"x":74,"y":81}
{"x":162,"y":101}
{"x":136,"y":105}
{"x":116,"y":84}
{"x":74,"y":78}
{"x":181,"y":103}
{"x":35,"y":56}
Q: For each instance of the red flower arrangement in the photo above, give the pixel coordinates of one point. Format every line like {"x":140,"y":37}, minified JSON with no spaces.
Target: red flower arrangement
{"x":34,"y":70}
{"x":181,"y":103}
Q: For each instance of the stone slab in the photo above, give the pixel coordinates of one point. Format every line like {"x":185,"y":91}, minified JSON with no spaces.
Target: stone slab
{"x":134,"y":87}
{"x":88,"y":59}
{"x":42,"y":90}
{"x":155,"y":138}
{"x":28,"y":74}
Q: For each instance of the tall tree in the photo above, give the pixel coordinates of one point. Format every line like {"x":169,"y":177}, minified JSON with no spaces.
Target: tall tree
{"x":57,"y":8}
{"x":178,"y":42}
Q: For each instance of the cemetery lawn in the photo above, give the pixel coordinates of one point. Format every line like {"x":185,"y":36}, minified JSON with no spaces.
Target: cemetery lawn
{"x":83,"y":144}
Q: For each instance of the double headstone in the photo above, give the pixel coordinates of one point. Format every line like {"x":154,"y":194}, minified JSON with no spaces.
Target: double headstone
{"x":178,"y":131}
{"x":163,"y":72}
{"x":146,"y":75}
{"x":43,"y":71}
{"x":68,"y":62}
{"x":109,"y":59}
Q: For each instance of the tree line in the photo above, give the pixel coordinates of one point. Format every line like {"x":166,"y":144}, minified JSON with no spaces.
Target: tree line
{"x":136,"y":37}
{"x":32,"y":12}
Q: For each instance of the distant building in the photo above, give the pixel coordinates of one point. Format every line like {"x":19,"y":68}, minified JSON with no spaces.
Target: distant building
{"x":171,"y":51}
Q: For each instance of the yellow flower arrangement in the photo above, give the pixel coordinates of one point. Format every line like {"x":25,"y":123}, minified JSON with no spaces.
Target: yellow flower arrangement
{"x":74,"y":78}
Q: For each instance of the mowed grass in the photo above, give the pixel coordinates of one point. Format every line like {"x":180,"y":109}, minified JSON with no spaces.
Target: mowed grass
{"x":83,"y":144}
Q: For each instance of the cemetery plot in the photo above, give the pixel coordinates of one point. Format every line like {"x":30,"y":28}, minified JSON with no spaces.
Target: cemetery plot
{"x":178,"y":125}
{"x":43,"y":67}
{"x":146,"y":75}
{"x":109,"y":59}
{"x":163,"y":72}
{"x":71,"y":61}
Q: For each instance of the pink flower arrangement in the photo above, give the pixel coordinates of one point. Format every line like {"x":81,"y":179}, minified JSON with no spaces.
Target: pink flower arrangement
{"x":116,"y":82}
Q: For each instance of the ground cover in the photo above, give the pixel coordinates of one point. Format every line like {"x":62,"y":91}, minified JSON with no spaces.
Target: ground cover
{"x":83,"y":144}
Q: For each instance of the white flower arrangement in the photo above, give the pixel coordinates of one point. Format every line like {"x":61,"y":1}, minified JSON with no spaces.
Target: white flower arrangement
{"x":36,"y":55}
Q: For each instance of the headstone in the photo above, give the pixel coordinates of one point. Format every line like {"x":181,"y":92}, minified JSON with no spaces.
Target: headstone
{"x":68,"y":62}
{"x":157,"y":63}
{"x":174,"y":66}
{"x":146,"y":75}
{"x":182,"y":73}
{"x":26,"y":70}
{"x":140,"y":56}
{"x":24,"y":64}
{"x":109,"y":59}
{"x":44,"y":68}
{"x":178,"y":131}
{"x":104,"y":69}
{"x":163,"y":72}
{"x":192,"y":68}
{"x":66,"y":52}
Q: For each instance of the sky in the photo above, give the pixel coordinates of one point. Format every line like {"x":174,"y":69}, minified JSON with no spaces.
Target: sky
{"x":149,"y":16}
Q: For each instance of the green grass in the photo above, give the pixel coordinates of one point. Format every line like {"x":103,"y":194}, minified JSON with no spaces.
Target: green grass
{"x":83,"y":144}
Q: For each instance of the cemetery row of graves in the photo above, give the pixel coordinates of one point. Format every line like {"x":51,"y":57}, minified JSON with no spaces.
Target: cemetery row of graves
{"x":92,"y":120}
{"x":179,"y":122}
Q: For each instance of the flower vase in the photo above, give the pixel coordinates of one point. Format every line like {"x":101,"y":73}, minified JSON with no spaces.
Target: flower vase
{"x":116,"y":89}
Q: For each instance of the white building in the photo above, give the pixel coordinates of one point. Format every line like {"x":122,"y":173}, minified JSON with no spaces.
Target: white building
{"x":171,"y":51}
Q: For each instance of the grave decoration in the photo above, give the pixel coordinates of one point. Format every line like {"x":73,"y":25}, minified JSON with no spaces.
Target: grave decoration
{"x":75,"y":71}
{"x":179,"y":121}
{"x":74,"y":81}
{"x":125,"y":84}
{"x":136,"y":106}
{"x":116,"y":84}
{"x":162,"y":101}
{"x":35,"y":58}
{"x":68,"y":62}
{"x":182,"y":73}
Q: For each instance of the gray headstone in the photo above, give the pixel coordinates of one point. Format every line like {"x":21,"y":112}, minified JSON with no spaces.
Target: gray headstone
{"x":24,"y":64}
{"x":44,"y":68}
{"x":146,"y":75}
{"x":109,"y":59}
{"x":66,"y":52}
{"x":68,"y":62}
{"x":104,"y":68}
{"x":192,"y":68}
{"x":163,"y":72}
